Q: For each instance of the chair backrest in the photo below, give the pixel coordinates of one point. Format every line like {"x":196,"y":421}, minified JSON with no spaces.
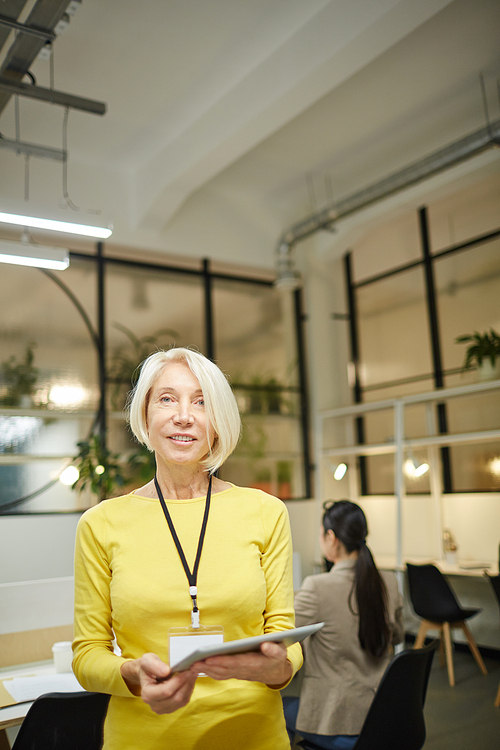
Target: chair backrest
{"x":431,"y":595}
{"x":395,"y":720}
{"x":64,"y":721}
{"x":495,"y":582}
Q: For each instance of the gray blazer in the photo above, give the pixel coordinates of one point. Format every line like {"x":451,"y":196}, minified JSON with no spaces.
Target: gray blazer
{"x":340,"y":679}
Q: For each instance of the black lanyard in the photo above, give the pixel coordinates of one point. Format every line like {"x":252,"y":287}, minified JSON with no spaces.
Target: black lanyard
{"x":191,"y":576}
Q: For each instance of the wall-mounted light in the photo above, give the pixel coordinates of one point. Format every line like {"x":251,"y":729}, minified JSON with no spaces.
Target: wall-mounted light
{"x":340,"y":471}
{"x":39,"y":256}
{"x":414,"y":469}
{"x":287,"y":277}
{"x":85,"y":227}
{"x":69,"y":476}
{"x":67,"y":396}
{"x":288,"y":280}
{"x":494,"y":466}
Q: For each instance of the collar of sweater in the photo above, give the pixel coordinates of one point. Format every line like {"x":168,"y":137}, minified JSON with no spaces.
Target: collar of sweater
{"x":343,"y":565}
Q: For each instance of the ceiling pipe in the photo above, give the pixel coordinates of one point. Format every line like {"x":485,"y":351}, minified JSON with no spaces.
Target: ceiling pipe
{"x":287,"y":277}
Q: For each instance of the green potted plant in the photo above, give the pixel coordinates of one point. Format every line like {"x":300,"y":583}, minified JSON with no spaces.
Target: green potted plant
{"x":125,"y":359}
{"x":19,"y":378}
{"x":98,"y":468}
{"x":482,"y":353}
{"x":265,"y":395}
{"x":284,"y":472}
{"x":141,"y":464}
{"x":274,"y":396}
{"x":262,"y":479}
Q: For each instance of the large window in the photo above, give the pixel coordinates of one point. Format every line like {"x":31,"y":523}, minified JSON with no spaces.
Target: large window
{"x":71,"y":345}
{"x":416,"y":284}
{"x":49,"y":390}
{"x":258,"y":349}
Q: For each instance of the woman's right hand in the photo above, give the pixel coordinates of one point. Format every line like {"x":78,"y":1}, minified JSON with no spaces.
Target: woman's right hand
{"x":149,"y":678}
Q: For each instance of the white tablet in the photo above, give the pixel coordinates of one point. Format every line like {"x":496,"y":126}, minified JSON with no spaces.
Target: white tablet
{"x":287,"y":637}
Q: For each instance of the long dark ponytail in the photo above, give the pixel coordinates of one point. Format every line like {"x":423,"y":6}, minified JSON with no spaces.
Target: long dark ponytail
{"x":348,"y":523}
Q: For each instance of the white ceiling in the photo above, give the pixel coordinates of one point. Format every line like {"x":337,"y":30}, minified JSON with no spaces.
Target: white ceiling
{"x":228,"y":120}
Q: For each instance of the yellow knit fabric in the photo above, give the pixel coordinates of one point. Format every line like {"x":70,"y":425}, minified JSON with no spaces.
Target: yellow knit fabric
{"x":129,"y":581}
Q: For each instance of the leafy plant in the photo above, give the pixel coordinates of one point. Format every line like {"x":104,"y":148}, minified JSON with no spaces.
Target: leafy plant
{"x":264,"y":395}
{"x":274,"y":396}
{"x":284,"y":469}
{"x":127,"y":358}
{"x":483,"y":346}
{"x":141,"y":465}
{"x":253,"y":442}
{"x":19,"y":377}
{"x":263,"y":474}
{"x":98,"y":467}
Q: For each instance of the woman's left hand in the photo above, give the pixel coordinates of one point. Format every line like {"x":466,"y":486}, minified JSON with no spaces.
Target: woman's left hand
{"x":270,"y":666}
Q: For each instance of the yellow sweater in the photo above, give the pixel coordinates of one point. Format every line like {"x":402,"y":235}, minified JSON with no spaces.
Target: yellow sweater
{"x":129,"y":581}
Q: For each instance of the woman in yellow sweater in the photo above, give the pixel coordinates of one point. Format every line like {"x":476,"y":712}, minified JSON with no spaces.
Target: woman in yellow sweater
{"x":186,"y":555}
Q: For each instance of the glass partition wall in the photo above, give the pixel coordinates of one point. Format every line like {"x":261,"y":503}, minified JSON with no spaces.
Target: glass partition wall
{"x":71,"y":343}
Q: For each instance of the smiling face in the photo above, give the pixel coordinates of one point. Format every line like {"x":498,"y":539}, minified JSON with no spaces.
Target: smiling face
{"x":176,"y":419}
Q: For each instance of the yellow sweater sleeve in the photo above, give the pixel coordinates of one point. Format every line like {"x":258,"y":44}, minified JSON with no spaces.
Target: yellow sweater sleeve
{"x":95,"y":665}
{"x":277,"y":564}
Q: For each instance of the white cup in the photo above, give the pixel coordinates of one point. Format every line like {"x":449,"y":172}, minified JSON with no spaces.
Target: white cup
{"x":63,"y":656}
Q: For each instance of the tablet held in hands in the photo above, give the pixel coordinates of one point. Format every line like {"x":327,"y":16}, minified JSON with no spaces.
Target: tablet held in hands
{"x":243,"y":645}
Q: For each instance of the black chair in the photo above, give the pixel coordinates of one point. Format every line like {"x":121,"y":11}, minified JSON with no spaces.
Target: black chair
{"x":434,"y":601}
{"x":495,"y":582}
{"x":64,"y":721}
{"x":395,"y":719}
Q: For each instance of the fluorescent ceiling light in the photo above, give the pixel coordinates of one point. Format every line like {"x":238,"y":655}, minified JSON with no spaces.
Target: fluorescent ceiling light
{"x":39,"y":256}
{"x":56,"y":225}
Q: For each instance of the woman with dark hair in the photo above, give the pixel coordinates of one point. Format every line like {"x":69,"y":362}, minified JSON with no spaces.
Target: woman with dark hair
{"x":363,"y":614}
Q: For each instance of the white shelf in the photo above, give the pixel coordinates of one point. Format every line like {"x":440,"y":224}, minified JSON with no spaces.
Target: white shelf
{"x":11,"y":411}
{"x":20,"y":459}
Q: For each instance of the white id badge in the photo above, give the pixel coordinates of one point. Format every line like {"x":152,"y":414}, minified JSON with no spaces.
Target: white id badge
{"x":183,"y":641}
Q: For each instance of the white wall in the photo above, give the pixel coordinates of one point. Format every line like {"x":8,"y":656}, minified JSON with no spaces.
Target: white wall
{"x":474,"y":521}
{"x":36,"y":571}
{"x":304,"y":532}
{"x":36,"y":546}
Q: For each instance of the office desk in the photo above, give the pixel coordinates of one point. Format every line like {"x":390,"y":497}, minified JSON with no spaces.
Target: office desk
{"x":471,"y":568}
{"x":471,"y":588}
{"x":469,"y":584}
{"x":12,"y":713}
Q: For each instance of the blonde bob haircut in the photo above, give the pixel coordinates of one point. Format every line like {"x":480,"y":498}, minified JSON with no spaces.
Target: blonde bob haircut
{"x":220,"y":404}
